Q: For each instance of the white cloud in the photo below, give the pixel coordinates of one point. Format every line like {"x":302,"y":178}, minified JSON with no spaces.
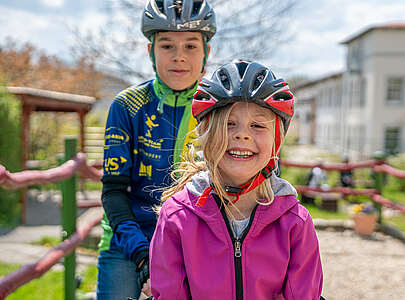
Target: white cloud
{"x":319,"y":27}
{"x":53,"y":3}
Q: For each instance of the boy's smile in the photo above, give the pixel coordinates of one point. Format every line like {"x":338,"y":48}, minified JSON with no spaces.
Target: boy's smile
{"x":250,"y":143}
{"x":179,"y":58}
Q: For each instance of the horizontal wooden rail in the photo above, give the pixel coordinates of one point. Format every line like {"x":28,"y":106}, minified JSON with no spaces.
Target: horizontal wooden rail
{"x":333,"y":167}
{"x":10,"y":282}
{"x":340,"y":190}
{"x":36,"y":177}
{"x":390,"y":170}
{"x":388,"y":203}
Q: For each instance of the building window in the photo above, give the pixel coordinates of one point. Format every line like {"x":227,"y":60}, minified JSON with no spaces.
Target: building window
{"x":394,"y":89}
{"x":392,"y":140}
{"x":363,"y":91}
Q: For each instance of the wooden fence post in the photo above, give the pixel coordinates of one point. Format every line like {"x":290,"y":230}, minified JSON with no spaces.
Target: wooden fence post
{"x":69,"y":213}
{"x":379,"y":181}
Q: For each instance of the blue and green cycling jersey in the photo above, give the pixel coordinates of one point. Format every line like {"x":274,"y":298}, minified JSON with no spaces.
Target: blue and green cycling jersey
{"x":147,"y":130}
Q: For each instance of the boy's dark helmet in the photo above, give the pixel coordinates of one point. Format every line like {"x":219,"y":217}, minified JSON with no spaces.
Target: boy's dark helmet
{"x":178,"y":15}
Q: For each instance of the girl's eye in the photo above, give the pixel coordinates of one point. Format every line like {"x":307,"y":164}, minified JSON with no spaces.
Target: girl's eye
{"x":258,"y":125}
{"x":231,"y":123}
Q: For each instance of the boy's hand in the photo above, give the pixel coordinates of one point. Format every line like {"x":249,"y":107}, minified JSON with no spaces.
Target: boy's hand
{"x":146,"y":288}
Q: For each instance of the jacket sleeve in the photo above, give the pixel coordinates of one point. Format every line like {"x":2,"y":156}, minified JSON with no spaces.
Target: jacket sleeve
{"x":119,"y":141}
{"x":304,"y":274}
{"x":167,"y":270}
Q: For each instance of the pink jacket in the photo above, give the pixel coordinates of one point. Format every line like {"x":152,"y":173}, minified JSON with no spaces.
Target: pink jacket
{"x":193,"y":253}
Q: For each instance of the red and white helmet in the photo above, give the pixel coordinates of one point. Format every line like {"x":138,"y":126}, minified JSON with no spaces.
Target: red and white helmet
{"x":245,"y":81}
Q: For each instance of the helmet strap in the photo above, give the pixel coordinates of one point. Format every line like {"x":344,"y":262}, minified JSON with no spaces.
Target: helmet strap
{"x":205,"y":53}
{"x":152,"y":54}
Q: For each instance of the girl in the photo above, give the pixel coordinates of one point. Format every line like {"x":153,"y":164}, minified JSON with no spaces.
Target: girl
{"x":230,"y":228}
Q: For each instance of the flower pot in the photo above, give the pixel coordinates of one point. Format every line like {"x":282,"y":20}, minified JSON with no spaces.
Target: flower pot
{"x":364,"y":223}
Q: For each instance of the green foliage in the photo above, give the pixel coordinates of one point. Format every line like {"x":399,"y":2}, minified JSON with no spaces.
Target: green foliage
{"x":398,"y":162}
{"x":89,"y":279}
{"x":44,"y":140}
{"x":296,"y":176}
{"x":10,"y":154}
{"x":318,"y":213}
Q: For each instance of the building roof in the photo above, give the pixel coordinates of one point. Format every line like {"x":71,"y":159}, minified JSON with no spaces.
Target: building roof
{"x":319,"y":80}
{"x":388,"y":26}
{"x":44,"y":100}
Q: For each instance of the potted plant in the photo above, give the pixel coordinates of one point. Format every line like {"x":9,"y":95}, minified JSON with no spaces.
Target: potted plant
{"x":365,"y":218}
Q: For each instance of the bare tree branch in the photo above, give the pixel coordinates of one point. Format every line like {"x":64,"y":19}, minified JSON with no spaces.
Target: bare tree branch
{"x":250,"y":29}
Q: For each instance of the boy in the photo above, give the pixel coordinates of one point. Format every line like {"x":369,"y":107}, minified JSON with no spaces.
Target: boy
{"x":146,"y":132}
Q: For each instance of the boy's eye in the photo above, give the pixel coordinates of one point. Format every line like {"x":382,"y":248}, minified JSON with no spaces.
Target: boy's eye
{"x":166,"y":46}
{"x":191,"y":47}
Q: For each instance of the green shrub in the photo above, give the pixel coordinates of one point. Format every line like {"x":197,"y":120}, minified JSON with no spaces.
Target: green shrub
{"x":10,"y":154}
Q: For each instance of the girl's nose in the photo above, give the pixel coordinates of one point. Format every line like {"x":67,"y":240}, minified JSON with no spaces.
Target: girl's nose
{"x":241,"y":134}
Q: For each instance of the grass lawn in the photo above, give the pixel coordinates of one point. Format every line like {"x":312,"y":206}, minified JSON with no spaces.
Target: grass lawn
{"x":317,"y":213}
{"x":50,"y":286}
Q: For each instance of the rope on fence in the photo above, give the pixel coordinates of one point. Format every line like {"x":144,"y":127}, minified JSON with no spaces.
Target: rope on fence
{"x":32,"y":177}
{"x":10,"y":282}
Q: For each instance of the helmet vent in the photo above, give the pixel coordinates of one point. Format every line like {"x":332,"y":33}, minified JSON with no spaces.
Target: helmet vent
{"x":224,"y":78}
{"x":282,"y":96}
{"x":209,"y":15}
{"x":259,"y":79}
{"x":159,"y":5}
{"x":196,"y":8}
{"x":149,"y":15}
{"x":178,"y":7}
{"x":242,"y":68}
{"x":201,"y":96}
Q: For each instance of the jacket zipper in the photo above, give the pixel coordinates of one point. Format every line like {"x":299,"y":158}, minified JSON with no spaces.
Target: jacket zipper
{"x":237,"y":249}
{"x":174,"y":121}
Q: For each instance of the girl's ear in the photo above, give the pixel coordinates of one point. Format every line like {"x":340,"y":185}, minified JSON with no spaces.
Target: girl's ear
{"x":149,"y":49}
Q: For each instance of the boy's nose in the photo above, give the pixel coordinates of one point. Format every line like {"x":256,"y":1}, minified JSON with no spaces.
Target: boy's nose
{"x":179,"y":55}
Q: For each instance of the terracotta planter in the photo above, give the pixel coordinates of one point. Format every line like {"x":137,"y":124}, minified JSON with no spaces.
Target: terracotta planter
{"x":364,"y":223}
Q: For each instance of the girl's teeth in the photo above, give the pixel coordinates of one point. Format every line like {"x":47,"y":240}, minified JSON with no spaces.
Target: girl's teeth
{"x":240,"y":153}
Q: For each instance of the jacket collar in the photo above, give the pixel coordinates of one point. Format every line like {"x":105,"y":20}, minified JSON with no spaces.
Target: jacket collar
{"x":285,"y":199}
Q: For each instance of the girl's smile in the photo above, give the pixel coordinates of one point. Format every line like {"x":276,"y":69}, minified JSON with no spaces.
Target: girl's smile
{"x":250,"y":142}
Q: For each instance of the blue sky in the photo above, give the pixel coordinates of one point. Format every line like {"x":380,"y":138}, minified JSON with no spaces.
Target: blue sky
{"x":314,"y":49}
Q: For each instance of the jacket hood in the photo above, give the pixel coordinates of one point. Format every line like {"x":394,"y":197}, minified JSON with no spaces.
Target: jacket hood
{"x":200,"y":182}
{"x":284,"y":200}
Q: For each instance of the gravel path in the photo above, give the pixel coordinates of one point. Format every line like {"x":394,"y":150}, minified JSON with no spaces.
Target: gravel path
{"x":362,"y":268}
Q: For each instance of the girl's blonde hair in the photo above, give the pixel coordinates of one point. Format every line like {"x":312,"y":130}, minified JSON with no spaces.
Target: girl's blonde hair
{"x":213,"y":141}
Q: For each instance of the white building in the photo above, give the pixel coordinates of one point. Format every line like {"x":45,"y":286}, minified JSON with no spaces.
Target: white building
{"x":361,"y":110}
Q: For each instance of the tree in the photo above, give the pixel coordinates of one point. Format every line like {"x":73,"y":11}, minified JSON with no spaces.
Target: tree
{"x":251,"y":29}
{"x":24,"y":65}
{"x":10,"y":154}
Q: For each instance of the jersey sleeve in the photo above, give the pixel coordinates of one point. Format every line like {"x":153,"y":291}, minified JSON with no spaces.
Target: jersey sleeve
{"x":119,"y":139}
